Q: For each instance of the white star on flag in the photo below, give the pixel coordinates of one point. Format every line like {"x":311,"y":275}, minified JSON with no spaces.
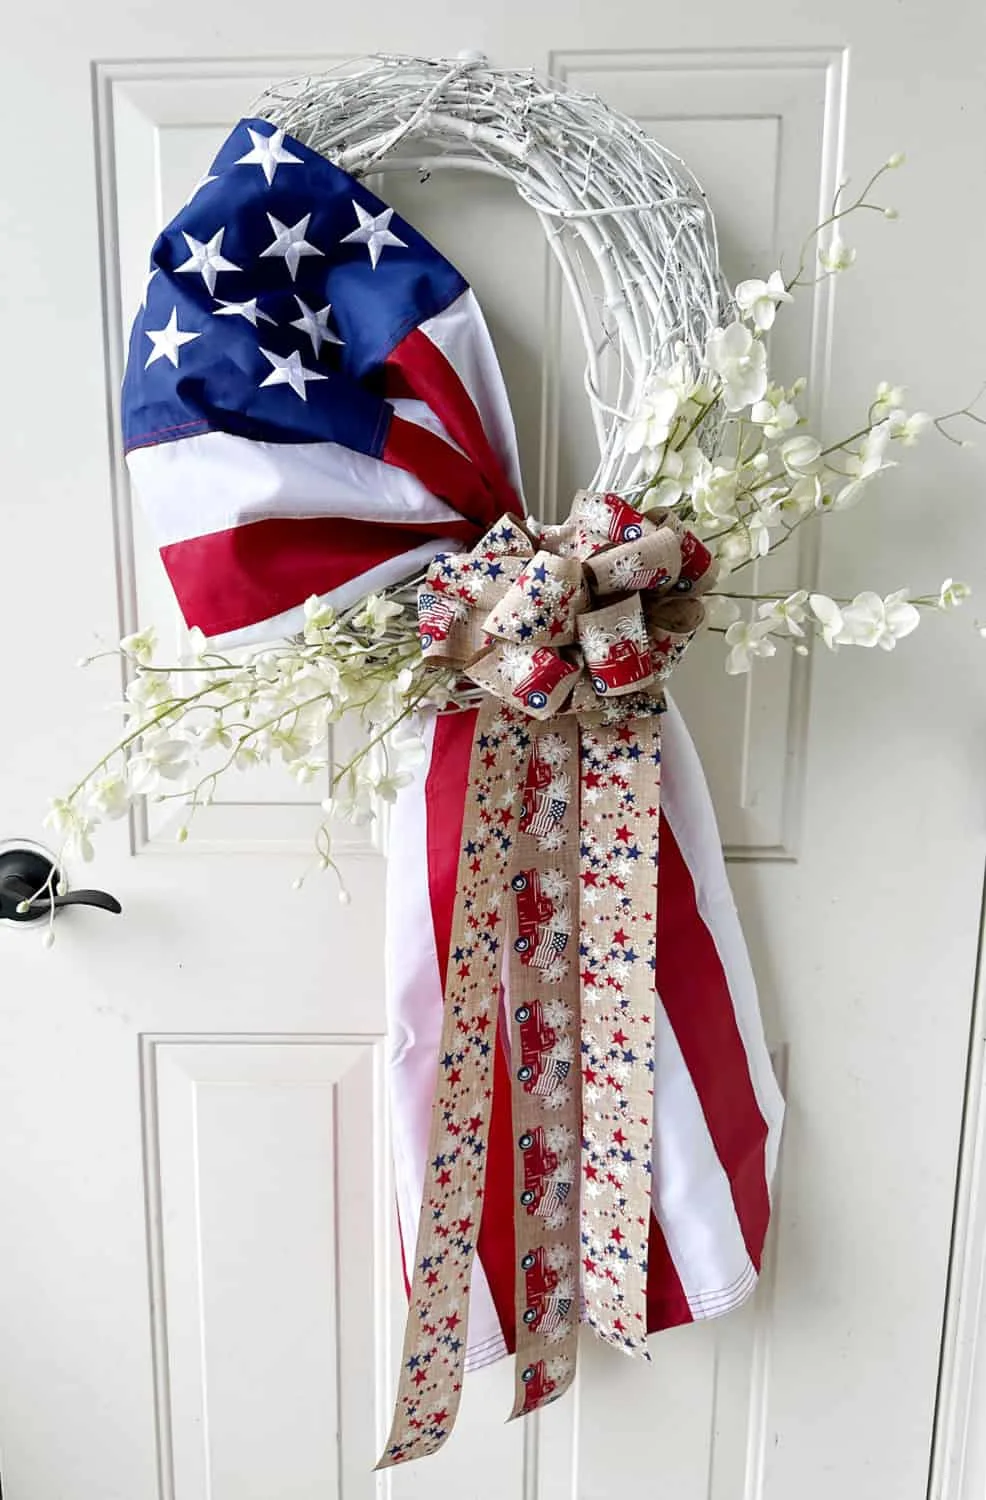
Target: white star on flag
{"x":290,"y":372}
{"x":268,"y":154}
{"x":207,"y":258}
{"x":248,"y":310}
{"x":373,"y":232}
{"x":289,"y":241}
{"x":316,"y":325}
{"x":168,"y":340}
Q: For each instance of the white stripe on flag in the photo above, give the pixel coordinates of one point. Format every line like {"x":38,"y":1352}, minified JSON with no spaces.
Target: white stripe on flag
{"x":414,"y":1023}
{"x":214,"y":481}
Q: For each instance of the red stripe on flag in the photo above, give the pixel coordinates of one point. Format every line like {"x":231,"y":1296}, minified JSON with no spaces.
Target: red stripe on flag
{"x":692,"y":985}
{"x":667,"y":1305}
{"x":444,"y":471}
{"x":428,"y":376}
{"x":445,"y":795}
{"x":229,"y":579}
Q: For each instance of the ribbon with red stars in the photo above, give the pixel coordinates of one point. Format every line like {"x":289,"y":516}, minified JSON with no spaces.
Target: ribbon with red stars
{"x":571,"y":630}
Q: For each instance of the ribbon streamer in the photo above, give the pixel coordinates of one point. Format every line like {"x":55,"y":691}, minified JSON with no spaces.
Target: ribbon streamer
{"x":571,"y":631}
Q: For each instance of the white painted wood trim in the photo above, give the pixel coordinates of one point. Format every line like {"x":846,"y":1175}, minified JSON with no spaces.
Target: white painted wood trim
{"x":958,"y":1453}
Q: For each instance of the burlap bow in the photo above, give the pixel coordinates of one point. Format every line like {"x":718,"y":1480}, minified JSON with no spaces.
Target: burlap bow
{"x":519,"y":615}
{"x":571,"y":631}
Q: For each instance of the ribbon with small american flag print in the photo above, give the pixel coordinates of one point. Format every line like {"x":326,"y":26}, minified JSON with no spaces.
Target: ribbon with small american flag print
{"x":572,"y":631}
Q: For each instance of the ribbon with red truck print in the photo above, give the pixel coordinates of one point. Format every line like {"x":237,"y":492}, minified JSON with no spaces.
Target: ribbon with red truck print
{"x":571,"y":631}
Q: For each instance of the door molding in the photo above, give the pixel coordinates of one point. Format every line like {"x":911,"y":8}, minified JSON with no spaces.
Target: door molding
{"x":958,"y":1451}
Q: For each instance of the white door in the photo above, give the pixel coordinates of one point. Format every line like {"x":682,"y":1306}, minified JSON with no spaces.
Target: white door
{"x":199,"y":1296}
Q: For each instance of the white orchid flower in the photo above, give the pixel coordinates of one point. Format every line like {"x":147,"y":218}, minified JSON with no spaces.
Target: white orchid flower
{"x":732,"y":550}
{"x":714,"y":496}
{"x":306,"y":771}
{"x":62,"y":816}
{"x":806,"y":494}
{"x":651,"y":426}
{"x":829,"y":616}
{"x":351,"y":800}
{"x":386,"y":784}
{"x":148,"y":691}
{"x":79,"y":840}
{"x":746,"y":640}
{"x":872,"y":621}
{"x":953,"y":594}
{"x":672,"y":480}
{"x":888,"y":398}
{"x":376,"y":613}
{"x":319,"y":616}
{"x":836,"y":256}
{"x":759,"y":299}
{"x":907,"y":429}
{"x":801,"y":455}
{"x":405,"y":747}
{"x":775,"y":413}
{"x":195,"y":647}
{"x":209,"y":736}
{"x":790,"y":611}
{"x":740,"y":361}
{"x":141,"y":645}
{"x":162,"y":758}
{"x":109,"y":797}
{"x":758,"y":528}
{"x":864,"y":465}
{"x":251,"y":753}
{"x":74,"y":827}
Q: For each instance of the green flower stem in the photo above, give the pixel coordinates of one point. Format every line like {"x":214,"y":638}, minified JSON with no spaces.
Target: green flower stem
{"x":833,"y":218}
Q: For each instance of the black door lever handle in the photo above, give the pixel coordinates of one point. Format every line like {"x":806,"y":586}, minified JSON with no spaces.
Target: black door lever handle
{"x":29,"y":886}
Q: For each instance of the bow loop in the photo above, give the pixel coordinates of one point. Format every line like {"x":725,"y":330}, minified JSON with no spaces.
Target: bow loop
{"x":652,"y":562}
{"x":543,"y":604}
{"x":616,"y":648}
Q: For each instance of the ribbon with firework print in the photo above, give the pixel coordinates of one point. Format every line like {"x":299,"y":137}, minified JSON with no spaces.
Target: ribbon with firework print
{"x":571,"y":631}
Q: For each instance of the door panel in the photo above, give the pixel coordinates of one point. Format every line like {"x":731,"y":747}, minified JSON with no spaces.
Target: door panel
{"x":200,"y":1288}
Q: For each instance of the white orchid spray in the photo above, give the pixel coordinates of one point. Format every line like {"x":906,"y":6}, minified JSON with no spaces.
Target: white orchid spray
{"x":748,"y":487}
{"x":187,"y":725}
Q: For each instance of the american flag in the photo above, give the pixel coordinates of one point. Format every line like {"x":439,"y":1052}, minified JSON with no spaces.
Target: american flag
{"x":554,"y":1072}
{"x":545,"y":816}
{"x":554,"y":1196}
{"x":553,"y":1313}
{"x":312,"y":402}
{"x":550,"y":945}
